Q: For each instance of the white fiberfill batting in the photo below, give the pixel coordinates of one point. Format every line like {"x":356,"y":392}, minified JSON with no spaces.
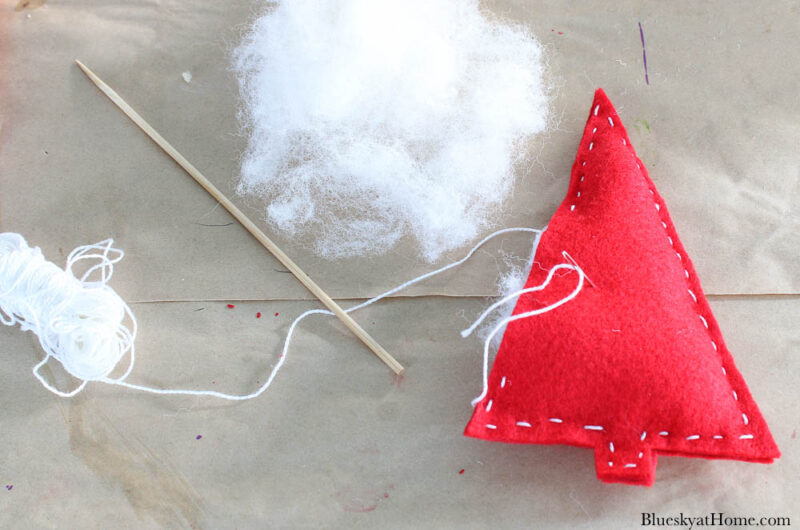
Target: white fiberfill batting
{"x":369,"y":120}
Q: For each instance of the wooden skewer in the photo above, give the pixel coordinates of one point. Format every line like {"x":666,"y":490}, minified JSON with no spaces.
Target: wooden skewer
{"x":315,"y":289}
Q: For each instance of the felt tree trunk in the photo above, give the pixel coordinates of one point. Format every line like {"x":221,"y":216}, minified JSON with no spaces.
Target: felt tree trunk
{"x":635,"y":365}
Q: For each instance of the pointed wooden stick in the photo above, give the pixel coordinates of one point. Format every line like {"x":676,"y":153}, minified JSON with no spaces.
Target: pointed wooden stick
{"x":315,"y":289}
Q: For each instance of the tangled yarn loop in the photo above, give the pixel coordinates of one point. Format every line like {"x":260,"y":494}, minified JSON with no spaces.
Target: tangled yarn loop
{"x":80,"y":321}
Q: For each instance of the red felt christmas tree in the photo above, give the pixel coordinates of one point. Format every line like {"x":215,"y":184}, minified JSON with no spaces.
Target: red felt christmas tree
{"x":635,"y":365}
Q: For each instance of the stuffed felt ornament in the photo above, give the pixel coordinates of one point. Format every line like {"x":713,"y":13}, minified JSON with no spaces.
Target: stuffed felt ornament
{"x":635,"y":364}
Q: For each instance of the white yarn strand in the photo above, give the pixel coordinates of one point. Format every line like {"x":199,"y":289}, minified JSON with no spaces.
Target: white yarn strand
{"x":290,"y":333}
{"x":80,"y":322}
{"x":519,"y":316}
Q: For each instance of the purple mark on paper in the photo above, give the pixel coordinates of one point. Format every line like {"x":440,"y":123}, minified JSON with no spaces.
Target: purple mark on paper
{"x":9,"y":487}
{"x":644,"y":54}
{"x":198,"y":436}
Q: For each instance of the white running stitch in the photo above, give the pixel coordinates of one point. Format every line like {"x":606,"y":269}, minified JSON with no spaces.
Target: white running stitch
{"x":694,"y":297}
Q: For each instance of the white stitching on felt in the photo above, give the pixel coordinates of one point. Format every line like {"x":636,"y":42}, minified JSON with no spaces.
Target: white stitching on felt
{"x":591,"y":146}
{"x":694,"y":298}
{"x":630,"y":465}
{"x":610,"y":463}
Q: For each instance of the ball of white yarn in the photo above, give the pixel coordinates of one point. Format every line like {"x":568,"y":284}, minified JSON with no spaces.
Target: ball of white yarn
{"x":79,"y":321}
{"x":374,"y":119}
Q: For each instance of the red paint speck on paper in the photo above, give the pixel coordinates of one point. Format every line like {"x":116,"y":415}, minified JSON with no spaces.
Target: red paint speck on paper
{"x":560,"y":32}
{"x":276,"y":314}
{"x":231,"y":306}
{"x":385,"y":495}
{"x":461,"y":472}
{"x":258,"y":315}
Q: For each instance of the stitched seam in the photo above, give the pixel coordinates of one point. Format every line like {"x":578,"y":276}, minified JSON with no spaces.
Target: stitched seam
{"x":599,"y":428}
{"x":691,"y":293}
